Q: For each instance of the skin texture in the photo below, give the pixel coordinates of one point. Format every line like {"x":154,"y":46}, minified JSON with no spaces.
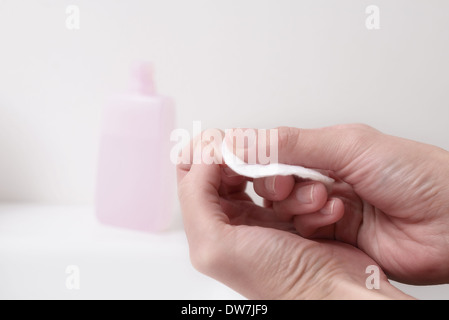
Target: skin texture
{"x":391,"y":201}
{"x":388,"y":208}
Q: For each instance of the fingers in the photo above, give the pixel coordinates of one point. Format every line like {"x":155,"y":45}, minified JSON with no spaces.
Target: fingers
{"x":250,"y":214}
{"x":198,"y":190}
{"x":206,"y":148}
{"x":307,"y":225}
{"x":200,"y":205}
{"x":330,"y":148}
{"x":306,"y":203}
{"x":275,"y":188}
{"x":306,"y":197}
{"x":289,"y":198}
{"x":230,"y":182}
{"x":230,"y":178}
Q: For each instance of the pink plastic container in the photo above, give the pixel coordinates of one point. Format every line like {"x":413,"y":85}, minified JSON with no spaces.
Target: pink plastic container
{"x":135,"y":183}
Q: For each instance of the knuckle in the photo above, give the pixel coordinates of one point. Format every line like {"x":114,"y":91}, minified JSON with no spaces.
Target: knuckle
{"x":360,"y":126}
{"x":358,"y":129}
{"x":357,"y":133}
{"x":361,"y":133}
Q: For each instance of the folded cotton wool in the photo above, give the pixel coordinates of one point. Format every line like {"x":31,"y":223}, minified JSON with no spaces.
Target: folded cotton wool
{"x":272,"y":169}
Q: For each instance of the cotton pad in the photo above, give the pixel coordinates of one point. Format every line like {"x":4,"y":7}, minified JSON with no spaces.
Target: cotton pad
{"x":268,"y":170}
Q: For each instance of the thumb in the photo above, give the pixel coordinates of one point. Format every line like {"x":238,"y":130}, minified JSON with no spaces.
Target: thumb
{"x":330,"y":148}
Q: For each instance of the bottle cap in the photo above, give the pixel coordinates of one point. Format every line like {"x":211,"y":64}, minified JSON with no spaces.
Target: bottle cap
{"x":142,"y":79}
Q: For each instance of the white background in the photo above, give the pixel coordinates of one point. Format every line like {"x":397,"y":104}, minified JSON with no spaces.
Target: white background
{"x":227,"y":63}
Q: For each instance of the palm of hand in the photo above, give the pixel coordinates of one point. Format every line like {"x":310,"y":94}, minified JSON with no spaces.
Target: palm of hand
{"x":279,"y":254}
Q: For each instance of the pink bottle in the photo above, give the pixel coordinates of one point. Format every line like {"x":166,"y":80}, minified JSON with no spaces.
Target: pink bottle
{"x":135,"y":176}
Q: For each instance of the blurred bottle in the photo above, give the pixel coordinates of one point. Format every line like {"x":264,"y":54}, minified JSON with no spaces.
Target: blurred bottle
{"x":135,"y":176}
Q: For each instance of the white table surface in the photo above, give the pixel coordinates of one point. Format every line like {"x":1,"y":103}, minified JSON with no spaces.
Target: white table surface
{"x":37,"y":243}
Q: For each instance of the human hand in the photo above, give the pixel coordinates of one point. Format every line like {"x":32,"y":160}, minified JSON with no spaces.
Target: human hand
{"x":391,"y":198}
{"x":250,"y":249}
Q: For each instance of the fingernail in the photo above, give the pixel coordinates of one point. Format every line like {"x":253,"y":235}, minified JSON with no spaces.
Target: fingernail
{"x":328,"y":208}
{"x":305,"y":194}
{"x":229,"y":172}
{"x":270,"y":183}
